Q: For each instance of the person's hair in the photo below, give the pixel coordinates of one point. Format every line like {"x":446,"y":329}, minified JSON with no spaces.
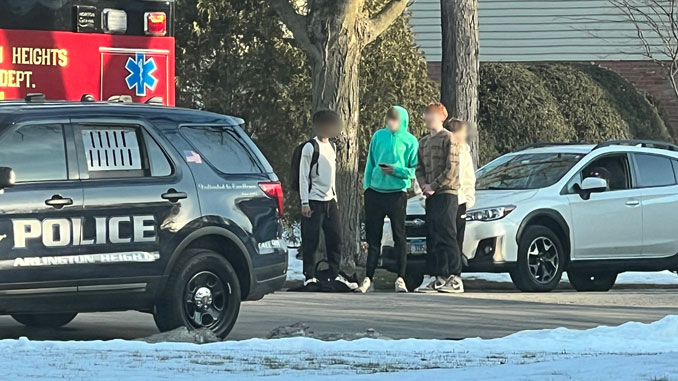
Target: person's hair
{"x":325,"y":117}
{"x":392,"y":114}
{"x":437,"y":107}
{"x":454,"y":125}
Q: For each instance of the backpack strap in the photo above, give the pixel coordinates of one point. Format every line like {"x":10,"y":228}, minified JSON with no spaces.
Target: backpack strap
{"x":314,"y":162}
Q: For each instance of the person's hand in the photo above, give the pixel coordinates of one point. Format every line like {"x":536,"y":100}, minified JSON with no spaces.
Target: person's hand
{"x":427,"y":190}
{"x":306,"y":211}
{"x":387,"y":169}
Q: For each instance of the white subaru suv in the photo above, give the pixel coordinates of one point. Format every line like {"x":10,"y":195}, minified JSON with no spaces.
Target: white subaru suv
{"x":591,"y":210}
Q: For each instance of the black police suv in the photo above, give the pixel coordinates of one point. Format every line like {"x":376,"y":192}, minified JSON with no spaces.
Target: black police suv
{"x":107,"y":207}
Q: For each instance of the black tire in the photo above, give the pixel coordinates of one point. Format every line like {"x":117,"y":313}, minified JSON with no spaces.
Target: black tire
{"x":45,"y":320}
{"x":541,"y":271}
{"x":202,"y":291}
{"x":413,"y":279}
{"x":585,"y":281}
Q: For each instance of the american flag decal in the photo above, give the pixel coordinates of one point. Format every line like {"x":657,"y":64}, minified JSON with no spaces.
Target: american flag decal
{"x":193,"y":157}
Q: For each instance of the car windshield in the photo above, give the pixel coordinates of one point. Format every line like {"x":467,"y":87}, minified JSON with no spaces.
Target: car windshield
{"x":526,"y":171}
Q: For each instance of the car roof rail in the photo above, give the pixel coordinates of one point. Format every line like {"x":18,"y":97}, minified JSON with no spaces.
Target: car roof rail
{"x":546,"y":144}
{"x":639,"y":143}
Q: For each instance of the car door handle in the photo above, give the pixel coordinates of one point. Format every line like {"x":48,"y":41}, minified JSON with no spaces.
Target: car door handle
{"x":632,"y":203}
{"x":173,"y":196}
{"x":58,"y":202}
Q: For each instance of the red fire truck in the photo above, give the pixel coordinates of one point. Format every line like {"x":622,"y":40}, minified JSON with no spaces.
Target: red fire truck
{"x":67,"y":49}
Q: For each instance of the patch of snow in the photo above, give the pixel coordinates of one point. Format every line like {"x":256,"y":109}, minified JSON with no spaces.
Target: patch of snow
{"x":632,"y":277}
{"x":629,"y":351}
{"x":295,"y":267}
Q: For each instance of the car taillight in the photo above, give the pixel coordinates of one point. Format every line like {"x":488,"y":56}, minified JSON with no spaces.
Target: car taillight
{"x":155,"y":23}
{"x":275,"y":191}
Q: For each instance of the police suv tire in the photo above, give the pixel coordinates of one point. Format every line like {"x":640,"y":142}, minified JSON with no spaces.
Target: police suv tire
{"x":170,"y":311}
{"x":45,"y":320}
{"x":585,"y":281}
{"x":521,"y":275}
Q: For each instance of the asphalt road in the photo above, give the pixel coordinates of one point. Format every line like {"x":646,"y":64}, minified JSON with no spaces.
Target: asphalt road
{"x":474,"y":314}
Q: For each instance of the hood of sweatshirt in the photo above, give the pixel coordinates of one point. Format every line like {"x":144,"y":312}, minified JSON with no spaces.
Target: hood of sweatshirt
{"x":404,"y":121}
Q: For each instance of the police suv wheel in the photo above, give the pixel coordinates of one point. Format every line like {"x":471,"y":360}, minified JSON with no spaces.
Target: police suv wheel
{"x":44,"y":320}
{"x":541,"y":260}
{"x":586,"y":281}
{"x":202,"y":291}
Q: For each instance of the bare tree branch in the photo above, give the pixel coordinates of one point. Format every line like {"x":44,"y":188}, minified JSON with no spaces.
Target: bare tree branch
{"x":655,"y":19}
{"x":382,"y":20}
{"x":297,"y":24}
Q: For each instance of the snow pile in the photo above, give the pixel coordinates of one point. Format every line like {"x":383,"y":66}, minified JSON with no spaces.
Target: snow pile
{"x":557,"y":353}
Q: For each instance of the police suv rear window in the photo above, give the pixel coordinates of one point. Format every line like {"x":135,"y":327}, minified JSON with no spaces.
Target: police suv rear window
{"x":222,"y":147}
{"x":111,"y":149}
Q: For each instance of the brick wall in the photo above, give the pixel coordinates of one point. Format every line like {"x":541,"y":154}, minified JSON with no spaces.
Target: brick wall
{"x":645,"y":75}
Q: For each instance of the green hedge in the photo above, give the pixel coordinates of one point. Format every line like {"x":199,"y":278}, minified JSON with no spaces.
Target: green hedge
{"x":516,"y":109}
{"x":528,"y":103}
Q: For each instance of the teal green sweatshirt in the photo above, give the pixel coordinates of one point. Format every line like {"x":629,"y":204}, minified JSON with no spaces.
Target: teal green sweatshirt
{"x":398,"y":149}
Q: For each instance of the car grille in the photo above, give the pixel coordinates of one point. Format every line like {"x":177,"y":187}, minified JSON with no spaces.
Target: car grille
{"x":415,"y":226}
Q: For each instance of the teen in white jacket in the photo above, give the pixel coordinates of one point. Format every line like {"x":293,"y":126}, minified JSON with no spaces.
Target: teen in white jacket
{"x":467,"y":178}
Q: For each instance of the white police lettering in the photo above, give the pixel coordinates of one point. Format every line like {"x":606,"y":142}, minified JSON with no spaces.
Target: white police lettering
{"x":123,"y":257}
{"x":61,"y":232}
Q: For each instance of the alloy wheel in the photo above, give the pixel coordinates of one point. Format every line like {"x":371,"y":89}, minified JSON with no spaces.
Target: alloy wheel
{"x":543,"y":260}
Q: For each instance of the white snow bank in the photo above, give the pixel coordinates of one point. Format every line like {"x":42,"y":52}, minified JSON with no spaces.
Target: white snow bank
{"x":295,"y":272}
{"x":303,"y":357}
{"x":659,"y":277}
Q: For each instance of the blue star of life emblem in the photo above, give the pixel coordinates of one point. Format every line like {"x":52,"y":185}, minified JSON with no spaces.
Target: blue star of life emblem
{"x":141,"y":74}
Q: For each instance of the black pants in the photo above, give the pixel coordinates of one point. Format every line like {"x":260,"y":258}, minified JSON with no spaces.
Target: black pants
{"x":325,"y":216}
{"x":461,"y":227}
{"x":377,"y":206}
{"x":443,"y":257}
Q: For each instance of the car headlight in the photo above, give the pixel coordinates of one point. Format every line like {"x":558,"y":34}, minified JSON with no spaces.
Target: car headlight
{"x":489,"y":214}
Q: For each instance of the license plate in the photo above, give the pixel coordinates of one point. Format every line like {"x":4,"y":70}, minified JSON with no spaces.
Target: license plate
{"x":417,"y":247}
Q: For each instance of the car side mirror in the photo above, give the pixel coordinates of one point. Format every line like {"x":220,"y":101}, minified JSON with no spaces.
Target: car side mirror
{"x":594,"y":184}
{"x":590,"y":185}
{"x":7,"y":177}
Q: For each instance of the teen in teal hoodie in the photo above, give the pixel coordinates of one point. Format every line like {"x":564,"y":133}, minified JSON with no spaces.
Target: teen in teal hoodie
{"x":398,"y":149}
{"x":395,"y":149}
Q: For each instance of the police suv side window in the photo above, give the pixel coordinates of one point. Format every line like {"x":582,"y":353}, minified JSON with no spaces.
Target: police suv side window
{"x":122,"y":152}
{"x":222,"y":147}
{"x":35,"y":153}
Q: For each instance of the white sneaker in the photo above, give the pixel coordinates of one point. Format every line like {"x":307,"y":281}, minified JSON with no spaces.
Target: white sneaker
{"x":400,"y":285}
{"x":309,"y":281}
{"x":351,"y":285}
{"x":434,"y":284}
{"x":366,"y":286}
{"x":454,"y":285}
{"x":422,"y":287}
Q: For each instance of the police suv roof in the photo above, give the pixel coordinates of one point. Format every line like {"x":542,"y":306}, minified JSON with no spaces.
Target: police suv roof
{"x":14,"y":111}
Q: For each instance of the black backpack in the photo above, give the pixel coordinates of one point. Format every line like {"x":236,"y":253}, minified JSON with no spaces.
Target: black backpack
{"x":296,"y":163}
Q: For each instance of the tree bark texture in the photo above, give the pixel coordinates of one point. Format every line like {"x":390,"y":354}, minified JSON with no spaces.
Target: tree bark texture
{"x":335,"y":75}
{"x":460,"y":66}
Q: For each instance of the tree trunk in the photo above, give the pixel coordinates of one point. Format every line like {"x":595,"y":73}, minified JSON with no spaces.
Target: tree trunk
{"x":460,"y":66}
{"x":335,"y":74}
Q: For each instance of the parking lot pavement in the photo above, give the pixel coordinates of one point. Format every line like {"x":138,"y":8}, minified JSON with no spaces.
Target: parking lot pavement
{"x":437,"y":316}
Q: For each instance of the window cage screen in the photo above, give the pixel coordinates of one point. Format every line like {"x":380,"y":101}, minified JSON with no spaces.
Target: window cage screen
{"x":111,"y":149}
